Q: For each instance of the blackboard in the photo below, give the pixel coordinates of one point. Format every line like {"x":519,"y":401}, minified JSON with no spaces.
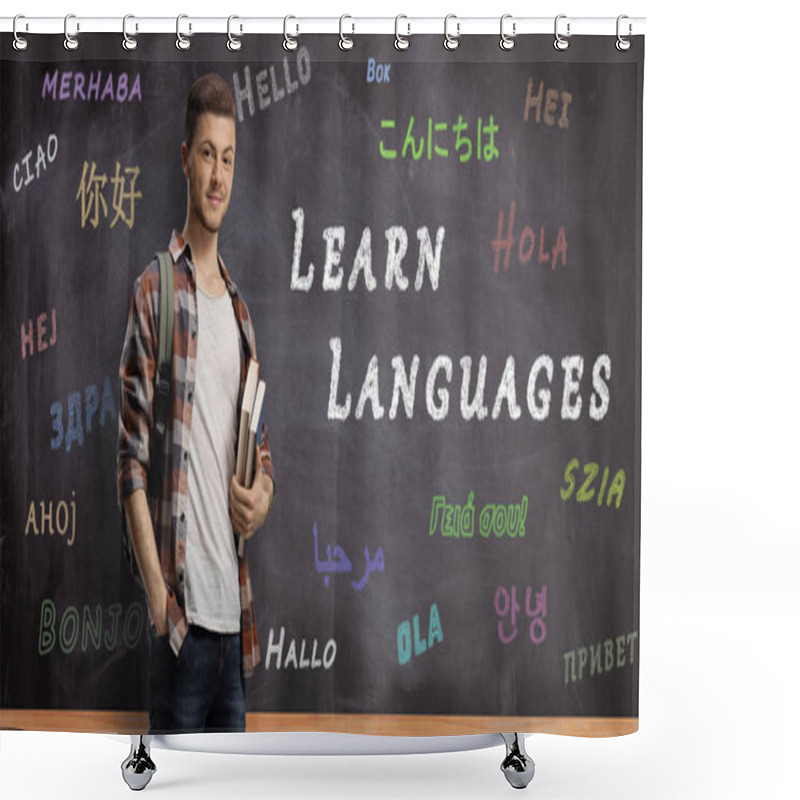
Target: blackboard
{"x":503,"y":191}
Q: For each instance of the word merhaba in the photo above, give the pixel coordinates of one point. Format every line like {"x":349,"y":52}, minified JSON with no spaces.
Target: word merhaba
{"x":63,"y":512}
{"x":42,"y":340}
{"x":605,"y":656}
{"x":93,"y":402}
{"x":546,"y":105}
{"x":405,"y":638}
{"x":275,"y":648}
{"x":396,"y":248}
{"x":44,"y":156}
{"x":458,"y":522}
{"x":97,"y":627}
{"x":440,"y":375}
{"x":85,"y":86}
{"x":586,"y":491}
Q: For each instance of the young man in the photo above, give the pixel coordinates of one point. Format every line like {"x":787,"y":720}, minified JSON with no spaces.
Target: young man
{"x":203,"y":639}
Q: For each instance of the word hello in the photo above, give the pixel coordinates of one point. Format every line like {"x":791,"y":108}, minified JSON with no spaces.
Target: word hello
{"x":404,"y":636}
{"x":42,"y":340}
{"x":586,"y":491}
{"x":96,"y":627}
{"x":377,"y":72}
{"x":547,"y":104}
{"x":527,"y":243}
{"x":44,"y":156}
{"x":291,"y":660}
{"x":86,"y":86}
{"x":64,"y":511}
{"x":93,"y":403}
{"x":605,"y":657}
{"x":458,"y":522}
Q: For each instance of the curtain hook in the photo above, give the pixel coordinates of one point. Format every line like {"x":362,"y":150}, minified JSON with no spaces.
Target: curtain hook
{"x":20,"y":43}
{"x":623,"y":44}
{"x":234,"y":44}
{"x":507,"y":42}
{"x":345,"y":42}
{"x":451,"y":42}
{"x":561,"y":43}
{"x":288,"y":42}
{"x":128,"y":42}
{"x":401,"y":42}
{"x":182,"y":43}
{"x":70,"y":42}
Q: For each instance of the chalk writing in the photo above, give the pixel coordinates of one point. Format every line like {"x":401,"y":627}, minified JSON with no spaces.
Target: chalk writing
{"x":292,"y":660}
{"x":337,"y":561}
{"x":378,"y":72}
{"x":505,"y":604}
{"x":586,"y":492}
{"x":93,"y":402}
{"x":434,"y":135}
{"x":458,"y":522}
{"x":85,"y":86}
{"x":405,"y":640}
{"x":41,"y":340}
{"x":42,"y":524}
{"x":603,"y":657}
{"x":44,"y":156}
{"x":550,"y":106}
{"x":91,"y":193}
{"x":269,"y":87}
{"x":527,"y":244}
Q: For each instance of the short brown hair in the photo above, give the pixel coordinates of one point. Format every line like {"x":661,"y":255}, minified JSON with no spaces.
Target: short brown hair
{"x":208,"y":93}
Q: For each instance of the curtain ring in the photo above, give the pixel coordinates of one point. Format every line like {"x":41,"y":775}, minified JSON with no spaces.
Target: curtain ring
{"x":128,"y":42}
{"x":451,"y":42}
{"x":182,"y":43}
{"x":20,"y":43}
{"x":345,"y":42}
{"x":623,"y":44}
{"x":401,"y":42}
{"x":507,"y":42}
{"x":234,"y":44}
{"x":70,"y":42}
{"x":288,"y":42}
{"x":561,"y":43}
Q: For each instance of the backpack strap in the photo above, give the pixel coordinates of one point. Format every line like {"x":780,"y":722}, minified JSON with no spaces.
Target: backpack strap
{"x":166,"y":322}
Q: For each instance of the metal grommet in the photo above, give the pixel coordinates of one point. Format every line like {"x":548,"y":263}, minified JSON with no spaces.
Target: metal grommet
{"x":401,"y":42}
{"x":20,"y":43}
{"x":70,"y":42}
{"x":182,"y":43}
{"x":507,"y":42}
{"x":234,"y":44}
{"x":451,"y":42}
{"x":623,"y":44}
{"x":288,"y":42}
{"x":128,"y":42}
{"x":561,"y":43}
{"x":345,"y":42}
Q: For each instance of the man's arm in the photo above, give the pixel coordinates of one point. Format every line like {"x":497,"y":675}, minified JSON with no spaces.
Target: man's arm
{"x":249,"y":507}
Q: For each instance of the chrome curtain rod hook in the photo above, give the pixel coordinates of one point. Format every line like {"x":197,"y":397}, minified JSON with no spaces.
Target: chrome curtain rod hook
{"x":128,"y":42}
{"x":451,"y":42}
{"x":560,"y":42}
{"x":182,"y":43}
{"x":623,"y":43}
{"x":401,"y":42}
{"x":70,"y":42}
{"x":234,"y":44}
{"x":507,"y":42}
{"x":345,"y":42}
{"x":289,"y":43}
{"x":20,"y":43}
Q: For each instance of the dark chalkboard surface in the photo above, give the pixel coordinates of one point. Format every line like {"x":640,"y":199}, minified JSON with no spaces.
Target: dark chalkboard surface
{"x":474,"y":223}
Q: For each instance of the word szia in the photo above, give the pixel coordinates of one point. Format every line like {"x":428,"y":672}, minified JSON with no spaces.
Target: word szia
{"x":99,"y":627}
{"x":86,"y":86}
{"x":44,"y":156}
{"x":586,"y":490}
{"x":605,"y":656}
{"x":42,"y":340}
{"x":547,"y":104}
{"x":378,"y":71}
{"x":404,"y":638}
{"x":75,"y":425}
{"x":291,"y":660}
{"x":527,"y":243}
{"x":506,"y":604}
{"x":44,"y":524}
{"x":437,"y":396}
{"x":458,"y":522}
{"x":91,"y":193}
{"x":434,"y":133}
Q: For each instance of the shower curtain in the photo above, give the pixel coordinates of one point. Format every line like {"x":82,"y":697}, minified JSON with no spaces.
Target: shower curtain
{"x":440,"y":251}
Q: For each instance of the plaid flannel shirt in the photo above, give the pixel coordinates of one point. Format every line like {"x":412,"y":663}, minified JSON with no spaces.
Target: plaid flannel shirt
{"x":137,"y":370}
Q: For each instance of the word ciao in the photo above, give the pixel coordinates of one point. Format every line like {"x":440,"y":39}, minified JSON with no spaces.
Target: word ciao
{"x":505,"y":604}
{"x":93,"y":402}
{"x":63,"y":512}
{"x":586,"y":491}
{"x":440,"y":376}
{"x":91,"y":193}
{"x":527,"y":243}
{"x":269,"y":87}
{"x":96,"y":628}
{"x":458,"y":522}
{"x":85,"y":86}
{"x":605,"y":656}
{"x":546,"y":105}
{"x":406,"y":642}
{"x":435,"y":134}
{"x":275,"y":648}
{"x":42,"y":340}
{"x":44,"y":156}
{"x":338,"y":561}
{"x":378,"y":72}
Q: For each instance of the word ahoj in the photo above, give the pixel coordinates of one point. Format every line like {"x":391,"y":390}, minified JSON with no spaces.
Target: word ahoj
{"x":93,"y":403}
{"x":586,"y":491}
{"x":605,"y":657}
{"x":42,"y":340}
{"x":127,"y":630}
{"x":505,"y":603}
{"x":275,"y":648}
{"x":547,"y":104}
{"x":405,"y":639}
{"x":527,"y":243}
{"x":44,"y":156}
{"x":378,"y":72}
{"x":339,"y":562}
{"x":63,"y":511}
{"x":435,"y":134}
{"x":269,"y":87}
{"x":458,"y":522}
{"x":85,"y":86}
{"x":94,"y":204}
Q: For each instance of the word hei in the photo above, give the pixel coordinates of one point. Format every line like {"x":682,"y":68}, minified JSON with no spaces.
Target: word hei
{"x":505,"y":605}
{"x":44,"y":156}
{"x":406,"y":642}
{"x":43,"y":338}
{"x":435,"y":134}
{"x":93,"y":402}
{"x":91,"y":193}
{"x":458,"y":522}
{"x":551,"y":105}
{"x":85,"y":86}
{"x":527,"y":244}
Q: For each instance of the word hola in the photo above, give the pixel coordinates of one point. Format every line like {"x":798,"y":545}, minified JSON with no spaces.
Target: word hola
{"x":377,"y":72}
{"x":527,"y":243}
{"x":435,"y":134}
{"x":546,"y":104}
{"x":44,"y":156}
{"x":85,"y":86}
{"x":586,"y":491}
{"x":276,"y":648}
{"x":506,"y":604}
{"x":42,"y":340}
{"x":64,"y":511}
{"x":458,"y":522}
{"x":93,"y":403}
{"x":94,"y":204}
{"x":269,"y":87}
{"x":605,"y":657}
{"x":405,"y":639}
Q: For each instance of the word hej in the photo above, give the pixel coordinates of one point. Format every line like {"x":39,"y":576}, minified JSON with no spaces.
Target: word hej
{"x":605,"y":657}
{"x":338,"y":561}
{"x":269,"y":87}
{"x":405,"y":639}
{"x":434,"y":134}
{"x":44,"y":156}
{"x":275,"y":648}
{"x":378,"y":72}
{"x":80,"y":85}
{"x":42,"y":340}
{"x":586,"y":491}
{"x":93,"y":402}
{"x":546,"y":105}
{"x":44,"y":525}
{"x":458,"y":522}
{"x":97,"y":627}
{"x":506,"y":604}
{"x":527,"y":243}
{"x":91,"y":193}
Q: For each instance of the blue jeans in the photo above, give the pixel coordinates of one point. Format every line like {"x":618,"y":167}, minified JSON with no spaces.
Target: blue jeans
{"x":200,"y":690}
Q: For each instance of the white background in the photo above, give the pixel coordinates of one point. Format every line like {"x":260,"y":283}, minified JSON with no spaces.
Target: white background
{"x":720,"y":604}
